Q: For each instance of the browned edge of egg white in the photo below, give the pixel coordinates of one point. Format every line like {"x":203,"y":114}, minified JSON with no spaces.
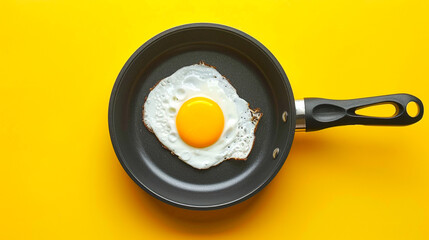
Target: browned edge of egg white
{"x":256,"y":111}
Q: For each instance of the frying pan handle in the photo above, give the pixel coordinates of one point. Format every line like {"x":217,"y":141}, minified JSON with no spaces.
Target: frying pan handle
{"x":318,"y":113}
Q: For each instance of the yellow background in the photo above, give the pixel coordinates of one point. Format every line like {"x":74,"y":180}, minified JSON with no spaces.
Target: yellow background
{"x":60,"y":178}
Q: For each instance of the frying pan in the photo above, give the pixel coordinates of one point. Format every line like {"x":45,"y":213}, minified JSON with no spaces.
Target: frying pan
{"x":259,"y":79}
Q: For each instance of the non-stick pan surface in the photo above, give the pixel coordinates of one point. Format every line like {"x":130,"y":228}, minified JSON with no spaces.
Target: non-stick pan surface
{"x":258,"y":78}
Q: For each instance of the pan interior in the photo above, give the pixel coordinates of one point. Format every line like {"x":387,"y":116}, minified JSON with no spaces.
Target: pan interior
{"x":257,"y":79}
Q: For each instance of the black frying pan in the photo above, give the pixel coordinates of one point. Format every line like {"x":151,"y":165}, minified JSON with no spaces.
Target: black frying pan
{"x":259,"y":79}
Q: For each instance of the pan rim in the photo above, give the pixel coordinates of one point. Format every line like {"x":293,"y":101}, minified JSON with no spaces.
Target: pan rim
{"x":112,"y":103}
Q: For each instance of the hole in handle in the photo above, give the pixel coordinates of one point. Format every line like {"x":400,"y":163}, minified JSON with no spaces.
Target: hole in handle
{"x":413,"y":109}
{"x":380,"y":110}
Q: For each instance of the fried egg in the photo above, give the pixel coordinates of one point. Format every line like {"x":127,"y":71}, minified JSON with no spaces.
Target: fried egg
{"x":197,"y":114}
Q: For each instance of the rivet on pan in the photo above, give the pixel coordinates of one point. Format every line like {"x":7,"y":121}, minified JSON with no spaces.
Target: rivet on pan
{"x":284,"y":116}
{"x":276,"y":152}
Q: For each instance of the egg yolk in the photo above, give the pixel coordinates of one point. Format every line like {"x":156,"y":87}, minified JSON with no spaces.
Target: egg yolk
{"x":200,"y":122}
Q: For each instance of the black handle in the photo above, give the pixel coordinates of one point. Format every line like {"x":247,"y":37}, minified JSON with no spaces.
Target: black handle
{"x":324,"y":113}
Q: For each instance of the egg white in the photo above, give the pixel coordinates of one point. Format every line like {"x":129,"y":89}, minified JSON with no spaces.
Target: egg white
{"x":200,"y":80}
